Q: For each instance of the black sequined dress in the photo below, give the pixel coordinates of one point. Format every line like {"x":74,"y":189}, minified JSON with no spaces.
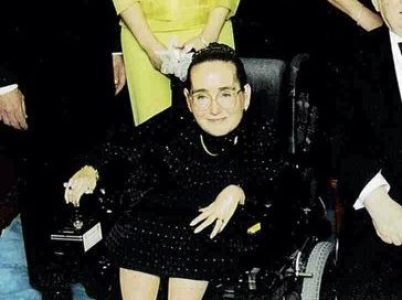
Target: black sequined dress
{"x":171,"y":178}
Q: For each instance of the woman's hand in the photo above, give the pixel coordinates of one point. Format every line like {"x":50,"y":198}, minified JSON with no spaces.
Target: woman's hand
{"x":364,"y":17}
{"x":154,"y":55}
{"x":136,"y":21}
{"x":211,"y":31}
{"x":82,"y":182}
{"x":220,"y":211}
{"x":369,"y":20}
{"x":196,"y":43}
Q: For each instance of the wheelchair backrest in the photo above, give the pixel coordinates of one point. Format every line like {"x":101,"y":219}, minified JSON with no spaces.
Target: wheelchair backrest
{"x":267,"y":79}
{"x":280,"y":93}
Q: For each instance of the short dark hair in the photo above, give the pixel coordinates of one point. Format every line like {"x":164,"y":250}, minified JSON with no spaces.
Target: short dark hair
{"x":218,"y":52}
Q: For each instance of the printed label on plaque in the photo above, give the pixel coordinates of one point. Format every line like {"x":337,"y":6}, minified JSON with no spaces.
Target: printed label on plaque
{"x":92,"y":237}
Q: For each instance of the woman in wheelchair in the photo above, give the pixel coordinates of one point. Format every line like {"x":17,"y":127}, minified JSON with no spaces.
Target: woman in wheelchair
{"x":190,"y":195}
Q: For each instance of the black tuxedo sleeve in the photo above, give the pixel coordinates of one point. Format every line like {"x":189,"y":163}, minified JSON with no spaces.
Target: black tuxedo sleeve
{"x":116,"y":36}
{"x":369,"y":119}
{"x":114,"y":27}
{"x":8,"y":41}
{"x":391,"y":167}
{"x":356,"y":150}
{"x":7,"y":77}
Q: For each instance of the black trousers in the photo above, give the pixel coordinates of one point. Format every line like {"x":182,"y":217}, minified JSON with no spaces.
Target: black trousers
{"x":368,"y":267}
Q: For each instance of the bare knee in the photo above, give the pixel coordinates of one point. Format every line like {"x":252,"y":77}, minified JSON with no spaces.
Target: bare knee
{"x":186,"y":289}
{"x":135,"y":285}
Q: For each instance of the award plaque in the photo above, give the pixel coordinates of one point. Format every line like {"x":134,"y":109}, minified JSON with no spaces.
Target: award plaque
{"x":85,"y":232}
{"x":80,"y":230}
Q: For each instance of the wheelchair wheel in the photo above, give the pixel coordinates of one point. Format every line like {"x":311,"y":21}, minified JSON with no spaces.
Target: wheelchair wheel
{"x":316,"y":265}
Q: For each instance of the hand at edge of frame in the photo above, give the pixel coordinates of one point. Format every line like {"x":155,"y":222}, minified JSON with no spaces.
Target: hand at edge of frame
{"x":386,"y":215}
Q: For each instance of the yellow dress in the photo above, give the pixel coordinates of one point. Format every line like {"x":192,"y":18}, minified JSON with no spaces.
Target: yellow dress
{"x":183,"y":19}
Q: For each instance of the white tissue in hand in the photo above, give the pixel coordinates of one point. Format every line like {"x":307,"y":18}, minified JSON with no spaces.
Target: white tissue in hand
{"x":175,"y":61}
{"x":182,"y":68}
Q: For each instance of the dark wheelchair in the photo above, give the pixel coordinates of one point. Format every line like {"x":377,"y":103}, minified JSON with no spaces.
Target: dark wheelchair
{"x":296,"y":261}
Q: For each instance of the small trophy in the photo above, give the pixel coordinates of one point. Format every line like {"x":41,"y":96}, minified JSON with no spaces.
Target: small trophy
{"x":80,"y":229}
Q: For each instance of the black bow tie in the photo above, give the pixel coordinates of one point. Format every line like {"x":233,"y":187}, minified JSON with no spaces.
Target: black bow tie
{"x":400,"y":47}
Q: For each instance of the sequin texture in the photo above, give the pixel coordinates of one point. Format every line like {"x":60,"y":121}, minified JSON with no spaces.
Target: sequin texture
{"x":169,"y":179}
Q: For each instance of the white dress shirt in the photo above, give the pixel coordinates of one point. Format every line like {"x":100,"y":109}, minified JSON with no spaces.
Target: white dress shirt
{"x":8,"y":88}
{"x":378,"y":180}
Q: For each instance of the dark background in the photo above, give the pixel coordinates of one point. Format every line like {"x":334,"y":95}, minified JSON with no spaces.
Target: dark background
{"x":283,"y":28}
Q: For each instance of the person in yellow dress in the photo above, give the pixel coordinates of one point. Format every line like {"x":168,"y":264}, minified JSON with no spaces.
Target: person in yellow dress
{"x":147,"y":28}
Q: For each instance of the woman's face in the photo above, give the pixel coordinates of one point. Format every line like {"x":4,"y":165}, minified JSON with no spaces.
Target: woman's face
{"x":216,"y":98}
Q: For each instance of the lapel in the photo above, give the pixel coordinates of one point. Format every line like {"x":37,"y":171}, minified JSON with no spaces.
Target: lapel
{"x":382,"y":109}
{"x":384,"y":102}
{"x":389,"y":81}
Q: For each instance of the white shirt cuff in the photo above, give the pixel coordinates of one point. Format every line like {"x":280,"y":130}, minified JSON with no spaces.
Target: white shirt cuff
{"x":377,"y":181}
{"x":8,"y":88}
{"x":117,"y":53}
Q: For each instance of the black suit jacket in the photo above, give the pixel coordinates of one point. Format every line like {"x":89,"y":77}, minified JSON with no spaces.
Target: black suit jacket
{"x":368,"y":129}
{"x":368,"y":139}
{"x":60,"y":55}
